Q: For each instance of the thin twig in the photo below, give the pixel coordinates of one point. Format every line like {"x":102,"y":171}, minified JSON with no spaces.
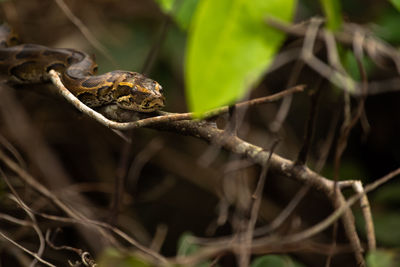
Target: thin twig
{"x":310,"y":126}
{"x":366,"y":210}
{"x":13,"y":151}
{"x":285,"y":213}
{"x":15,"y":220}
{"x":257,"y":196}
{"x":84,"y":30}
{"x":36,"y":256}
{"x":327,"y":143}
{"x":159,"y":237}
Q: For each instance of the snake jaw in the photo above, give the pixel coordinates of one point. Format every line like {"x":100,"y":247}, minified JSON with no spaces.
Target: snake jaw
{"x":145,"y":95}
{"x":134,"y":102}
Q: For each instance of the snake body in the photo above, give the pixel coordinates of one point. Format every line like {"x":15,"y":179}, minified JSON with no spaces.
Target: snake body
{"x":30,"y":63}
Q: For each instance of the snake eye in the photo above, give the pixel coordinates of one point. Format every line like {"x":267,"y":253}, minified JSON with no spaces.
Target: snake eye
{"x":157,"y":87}
{"x":95,"y":68}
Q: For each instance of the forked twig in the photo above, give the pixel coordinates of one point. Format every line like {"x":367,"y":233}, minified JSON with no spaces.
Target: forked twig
{"x":365,"y":208}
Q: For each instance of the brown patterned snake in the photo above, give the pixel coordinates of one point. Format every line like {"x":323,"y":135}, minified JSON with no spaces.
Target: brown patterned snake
{"x":30,"y":63}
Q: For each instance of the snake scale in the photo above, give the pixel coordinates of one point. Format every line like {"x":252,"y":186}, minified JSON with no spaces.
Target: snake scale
{"x":30,"y":63}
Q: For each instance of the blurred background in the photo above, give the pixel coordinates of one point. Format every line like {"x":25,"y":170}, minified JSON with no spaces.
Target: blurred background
{"x":176,"y":184}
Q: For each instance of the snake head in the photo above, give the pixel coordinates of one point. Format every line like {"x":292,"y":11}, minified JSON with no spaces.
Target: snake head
{"x":136,"y":92}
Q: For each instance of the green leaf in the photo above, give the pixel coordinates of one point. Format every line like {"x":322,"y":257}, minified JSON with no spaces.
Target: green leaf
{"x":386,"y":25}
{"x":165,"y":5}
{"x":184,"y":13}
{"x":381,"y":258}
{"x":274,"y":261}
{"x":115,"y":258}
{"x":396,"y":4}
{"x":388,"y":195}
{"x":181,"y":10}
{"x":229,"y":48}
{"x":187,"y":247}
{"x":333,"y":13}
{"x":350,"y":63}
{"x":386,"y":226}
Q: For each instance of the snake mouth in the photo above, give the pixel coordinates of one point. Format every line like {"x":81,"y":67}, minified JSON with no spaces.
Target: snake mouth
{"x":150,"y":105}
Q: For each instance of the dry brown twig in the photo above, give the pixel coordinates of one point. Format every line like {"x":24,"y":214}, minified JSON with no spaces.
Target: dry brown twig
{"x":84,"y":30}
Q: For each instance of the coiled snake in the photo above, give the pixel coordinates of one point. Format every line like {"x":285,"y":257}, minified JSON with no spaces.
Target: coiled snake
{"x":30,"y":63}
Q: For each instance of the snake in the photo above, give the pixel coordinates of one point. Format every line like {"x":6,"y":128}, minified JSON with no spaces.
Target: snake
{"x":31,"y":63}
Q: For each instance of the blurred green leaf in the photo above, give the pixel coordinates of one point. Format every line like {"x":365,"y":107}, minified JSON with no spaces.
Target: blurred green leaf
{"x":333,"y":13}
{"x":181,"y":10}
{"x":187,"y":247}
{"x":274,"y":261}
{"x":113,"y":257}
{"x":381,"y":258}
{"x":350,"y":63}
{"x":350,"y":168}
{"x":184,"y":13}
{"x":165,"y":5}
{"x":130,"y":51}
{"x":386,"y":226}
{"x":388,"y":195}
{"x":396,"y":4}
{"x":229,"y":48}
{"x":386,"y":26}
